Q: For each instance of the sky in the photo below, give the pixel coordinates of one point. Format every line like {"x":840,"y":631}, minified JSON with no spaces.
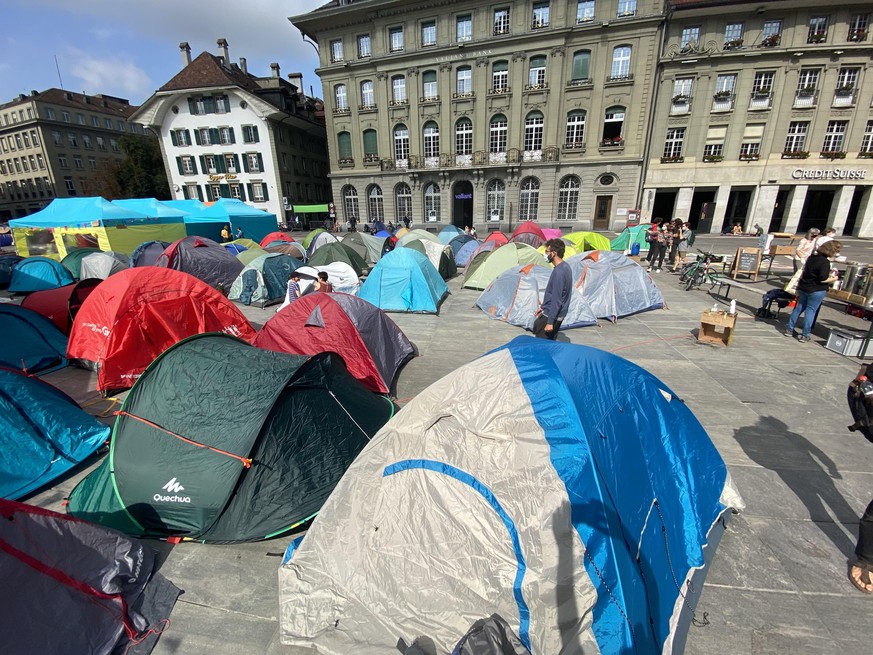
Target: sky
{"x":129,"y":49}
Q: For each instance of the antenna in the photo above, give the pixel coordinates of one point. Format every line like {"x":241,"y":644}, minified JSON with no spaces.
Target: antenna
{"x":59,"y":72}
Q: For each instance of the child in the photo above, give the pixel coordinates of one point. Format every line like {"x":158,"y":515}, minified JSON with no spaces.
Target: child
{"x":293,"y":287}
{"x":322,"y":284}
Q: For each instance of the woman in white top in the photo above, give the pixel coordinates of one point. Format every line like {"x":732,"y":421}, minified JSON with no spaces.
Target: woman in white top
{"x":828,"y":235}
{"x":805,"y":248}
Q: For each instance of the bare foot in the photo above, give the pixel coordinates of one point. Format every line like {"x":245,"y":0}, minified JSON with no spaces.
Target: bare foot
{"x":861,"y":575}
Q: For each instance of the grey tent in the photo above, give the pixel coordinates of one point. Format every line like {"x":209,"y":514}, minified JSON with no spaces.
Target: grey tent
{"x":103,"y":264}
{"x":369,"y":247}
{"x":204,"y":259}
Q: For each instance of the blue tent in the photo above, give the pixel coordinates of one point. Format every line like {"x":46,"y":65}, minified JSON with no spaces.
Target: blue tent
{"x":560,"y":486}
{"x":404,"y":280}
{"x":37,"y":274}
{"x":152,"y":208}
{"x":147,"y":253}
{"x":466,"y":251}
{"x":234,"y":248}
{"x":43,"y":434}
{"x":64,"y":212}
{"x":7,"y":263}
{"x":448,"y":233}
{"x":191,"y":206}
{"x":255,"y":224}
{"x":38,"y":347}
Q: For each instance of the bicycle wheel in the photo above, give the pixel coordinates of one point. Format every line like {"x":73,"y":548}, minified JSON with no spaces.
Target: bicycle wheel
{"x":687,"y":272}
{"x":695,"y":280}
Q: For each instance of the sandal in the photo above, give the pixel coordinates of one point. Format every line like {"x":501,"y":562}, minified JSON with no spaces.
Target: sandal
{"x":864,"y":582}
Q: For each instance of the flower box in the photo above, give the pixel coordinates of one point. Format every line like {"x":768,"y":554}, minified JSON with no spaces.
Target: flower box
{"x":672,"y":159}
{"x":761,"y":93}
{"x":713,"y":158}
{"x":734,"y":44}
{"x":806,"y":91}
{"x":817,"y":37}
{"x":753,"y":156}
{"x":832,"y":154}
{"x":795,"y":154}
{"x":681,"y":99}
{"x":845,"y":90}
{"x":858,"y":34}
{"x":721,"y":96}
{"x":771,"y":41}
{"x":612,"y":143}
{"x":865,"y":155}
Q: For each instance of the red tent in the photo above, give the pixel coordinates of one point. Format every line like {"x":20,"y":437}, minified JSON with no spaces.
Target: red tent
{"x":529,"y":233}
{"x":135,"y":315}
{"x":497,"y":237}
{"x":61,"y":305}
{"x":370,"y":343}
{"x":275,"y":236}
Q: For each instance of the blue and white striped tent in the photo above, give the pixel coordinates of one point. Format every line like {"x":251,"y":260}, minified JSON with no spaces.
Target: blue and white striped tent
{"x":560,"y":486}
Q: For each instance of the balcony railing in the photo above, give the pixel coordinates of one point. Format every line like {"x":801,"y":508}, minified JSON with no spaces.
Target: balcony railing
{"x":680,"y":105}
{"x":500,"y":30}
{"x":339,"y":111}
{"x":761,"y":99}
{"x":620,"y":78}
{"x":371,"y":159}
{"x":844,"y":97}
{"x":805,"y":98}
{"x":584,"y":81}
{"x":346,"y":162}
{"x":575,"y":146}
{"x":366,"y":107}
{"x":536,"y":87}
{"x":723,"y":101}
{"x":429,"y":99}
{"x":462,"y":95}
{"x":500,"y":90}
{"x":398,"y":103}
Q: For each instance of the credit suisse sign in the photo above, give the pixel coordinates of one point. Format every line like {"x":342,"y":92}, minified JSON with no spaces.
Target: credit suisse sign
{"x":829,"y":174}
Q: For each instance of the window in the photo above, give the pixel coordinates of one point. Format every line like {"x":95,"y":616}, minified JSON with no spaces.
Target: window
{"x":771,"y":33}
{"x":80,"y":119}
{"x":464,"y":28}
{"x":575,"y":129}
{"x":807,"y":81}
{"x":250,"y":134}
{"x":673,"y":143}
{"x":235,"y":191}
{"x":431,"y":135}
{"x":835,"y":136}
{"x":398,"y":90}
{"x":621,"y":57}
{"x":26,"y":166}
{"x":536,"y":78}
{"x":101,"y":144}
{"x":180,"y":137}
{"x":34,"y":138}
{"x":464,"y":137}
{"x":364,"y":48}
{"x":464,"y":81}
{"x":107,"y":123}
{"x":40,"y":162}
{"x":533,"y":132}
{"x":540,"y":18}
{"x":341,"y":97}
{"x":254,"y":161}
{"x":258,"y":192}
{"x":62,"y":162}
{"x":120,"y":125}
{"x":50,"y":113}
{"x":375,"y":204}
{"x":350,"y":202}
{"x":682,"y":89}
{"x":401,"y":143}
{"x":627,"y":8}
{"x":428,"y":33}
{"x":65,"y":116}
{"x":568,"y":198}
{"x":429,"y":86}
{"x":866,"y":142}
{"x":19,"y":142}
{"x":432,"y":202}
{"x":858,"y":26}
{"x":72,"y":140}
{"x":77,"y":162}
{"x":187,"y":166}
{"x":847,"y":80}
{"x":227,"y":136}
{"x":368,"y":98}
{"x":113,"y":145}
{"x":818,"y":29}
{"x":203,"y":137}
{"x":613,"y":124}
{"x":528,"y":199}
{"x":344,"y":146}
{"x":95,"y":122}
{"x":86,"y":142}
{"x":501,"y":21}
{"x":395,"y":39}
{"x":230,"y":164}
{"x":796,"y":139}
{"x":733,"y":36}
{"x":763,"y":83}
{"x":582,"y":67}
{"x":371,"y":146}
{"x":70,"y":186}
{"x":402,"y":201}
{"x":495,"y":197}
{"x":500,"y":77}
{"x":713,"y":149}
{"x":336,"y":50}
{"x":584,"y":11}
{"x":498,"y":132}
{"x":690,"y":38}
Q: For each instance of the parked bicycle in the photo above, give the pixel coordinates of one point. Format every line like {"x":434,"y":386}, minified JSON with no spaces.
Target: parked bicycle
{"x":702,"y":271}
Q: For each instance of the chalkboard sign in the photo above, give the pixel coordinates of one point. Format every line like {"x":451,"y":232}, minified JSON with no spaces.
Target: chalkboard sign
{"x":747,"y":261}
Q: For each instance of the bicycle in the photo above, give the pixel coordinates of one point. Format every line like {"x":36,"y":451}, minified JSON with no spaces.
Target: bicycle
{"x":702,"y":271}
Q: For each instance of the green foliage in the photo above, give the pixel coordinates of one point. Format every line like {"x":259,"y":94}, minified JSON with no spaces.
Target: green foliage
{"x":141,"y":174}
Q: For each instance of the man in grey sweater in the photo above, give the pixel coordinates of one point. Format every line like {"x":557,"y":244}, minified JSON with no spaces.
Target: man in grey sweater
{"x":556,"y":300}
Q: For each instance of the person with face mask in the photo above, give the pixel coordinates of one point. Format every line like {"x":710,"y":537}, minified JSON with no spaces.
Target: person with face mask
{"x":556,"y":300}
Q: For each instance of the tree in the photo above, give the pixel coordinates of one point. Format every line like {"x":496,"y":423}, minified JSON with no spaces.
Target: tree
{"x":140,"y":174}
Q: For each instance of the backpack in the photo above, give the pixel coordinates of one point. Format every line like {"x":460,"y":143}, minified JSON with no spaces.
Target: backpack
{"x":650,"y":238}
{"x":690,"y":239}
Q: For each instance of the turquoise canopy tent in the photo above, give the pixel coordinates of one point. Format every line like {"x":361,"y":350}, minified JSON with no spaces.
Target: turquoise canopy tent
{"x":153,"y":208}
{"x":255,"y":223}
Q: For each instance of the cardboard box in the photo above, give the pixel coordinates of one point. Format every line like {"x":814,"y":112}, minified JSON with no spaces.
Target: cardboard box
{"x":717,"y":327}
{"x":845,"y":342}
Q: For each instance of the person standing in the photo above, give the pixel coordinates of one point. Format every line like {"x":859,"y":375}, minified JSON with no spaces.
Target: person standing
{"x":805,"y":248}
{"x":225,"y":234}
{"x":352,"y":223}
{"x":556,"y":300}
{"x":812,"y":287}
{"x":473,"y":231}
{"x":407,"y":222}
{"x":239,"y":233}
{"x":658,"y":248}
{"x":861,"y":405}
{"x":682,"y":249}
{"x":293,"y":292}
{"x":829,"y":234}
{"x":652,"y":239}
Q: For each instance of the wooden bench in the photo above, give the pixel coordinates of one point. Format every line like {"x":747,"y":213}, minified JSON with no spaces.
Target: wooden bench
{"x":731,"y":283}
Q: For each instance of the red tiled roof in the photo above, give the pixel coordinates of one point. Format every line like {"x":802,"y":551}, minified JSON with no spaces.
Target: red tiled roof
{"x":207,"y":71}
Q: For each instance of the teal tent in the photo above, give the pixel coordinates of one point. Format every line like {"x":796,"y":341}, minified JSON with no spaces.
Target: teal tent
{"x":404,"y":280}
{"x":630,"y":236}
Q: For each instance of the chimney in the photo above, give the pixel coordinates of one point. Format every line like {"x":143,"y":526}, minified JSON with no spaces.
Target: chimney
{"x":222,"y":43}
{"x":243,"y":66}
{"x":186,"y":53}
{"x":297,"y":80}
{"x":275,"y":68}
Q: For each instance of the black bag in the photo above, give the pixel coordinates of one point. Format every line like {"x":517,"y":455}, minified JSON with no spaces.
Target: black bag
{"x":650,"y":238}
{"x":862,"y":410}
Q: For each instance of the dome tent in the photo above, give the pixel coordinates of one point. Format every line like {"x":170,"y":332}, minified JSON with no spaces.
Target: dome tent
{"x":264,"y":280}
{"x":465,"y":252}
{"x":486,"y":266}
{"x":204,"y":259}
{"x":7,"y":263}
{"x":36,"y":274}
{"x":441,"y":256}
{"x":337,"y":252}
{"x":630,"y":236}
{"x":371,"y":345}
{"x":272,"y":237}
{"x":32,"y":343}
{"x":73,"y":261}
{"x":542,"y":481}
{"x":101,"y":265}
{"x":251,"y":441}
{"x":404,"y":281}
{"x":61,"y":305}
{"x":529,"y":233}
{"x":588,"y":241}
{"x":147,"y":253}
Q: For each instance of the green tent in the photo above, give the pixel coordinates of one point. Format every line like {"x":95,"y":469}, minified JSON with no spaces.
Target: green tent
{"x":486,"y":266}
{"x":337,"y":252}
{"x":312,"y":234}
{"x":417,"y":235}
{"x":630,"y":236}
{"x":73,"y":261}
{"x":250,"y":255}
{"x":220,"y":441}
{"x":588,"y":241}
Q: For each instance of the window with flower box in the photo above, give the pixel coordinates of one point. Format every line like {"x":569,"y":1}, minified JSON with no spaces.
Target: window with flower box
{"x":771,"y":34}
{"x":501,"y":21}
{"x":673,"y":144}
{"x":584,"y":11}
{"x":817,"y":32}
{"x":858,"y":27}
{"x":866,"y":150}
{"x":795,"y":141}
{"x":832,"y":147}
{"x":500,"y":77}
{"x":733,"y":36}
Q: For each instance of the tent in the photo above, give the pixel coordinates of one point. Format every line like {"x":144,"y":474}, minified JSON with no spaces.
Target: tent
{"x":465,"y":252}
{"x":321,"y":239}
{"x":103,"y":264}
{"x":404,"y":281}
{"x":339,"y":274}
{"x":552,"y":233}
{"x":497,"y":237}
{"x":459,"y":242}
{"x":275,"y":236}
{"x":73,"y":261}
{"x":134,"y":316}
{"x":371,"y":345}
{"x":296,"y":250}
{"x":607,"y":285}
{"x":31,"y":343}
{"x":36,"y":274}
{"x":204,"y":259}
{"x":188,"y":205}
{"x":234,"y":248}
{"x":222,"y":442}
{"x":486,"y":266}
{"x":61,"y":305}
{"x":337,"y":252}
{"x":154,"y":208}
{"x":251,"y":254}
{"x":560,"y":486}
{"x":312,"y":234}
{"x":43,"y":434}
{"x":529,"y":233}
{"x":449,"y":232}
{"x":369,"y":247}
{"x":90,"y":222}
{"x":441,"y":256}
{"x":7,"y":263}
{"x":147,"y":253}
{"x":255,"y":223}
{"x":77,"y":587}
{"x":569,"y":250}
{"x":264,"y":280}
{"x":244,"y":243}
{"x":630,"y":236}
{"x":588,"y":241}
{"x":416,"y":235}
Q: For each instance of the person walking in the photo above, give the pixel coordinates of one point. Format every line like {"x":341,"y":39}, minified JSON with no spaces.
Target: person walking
{"x":658,"y":248}
{"x":805,"y":248}
{"x":556,"y":300}
{"x":812,"y":287}
{"x":861,"y":404}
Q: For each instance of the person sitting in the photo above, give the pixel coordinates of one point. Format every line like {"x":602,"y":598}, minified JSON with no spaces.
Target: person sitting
{"x":322,"y":284}
{"x":737,"y":230}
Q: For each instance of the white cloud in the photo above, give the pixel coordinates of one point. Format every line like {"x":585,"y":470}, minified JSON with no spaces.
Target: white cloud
{"x":112,"y":76}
